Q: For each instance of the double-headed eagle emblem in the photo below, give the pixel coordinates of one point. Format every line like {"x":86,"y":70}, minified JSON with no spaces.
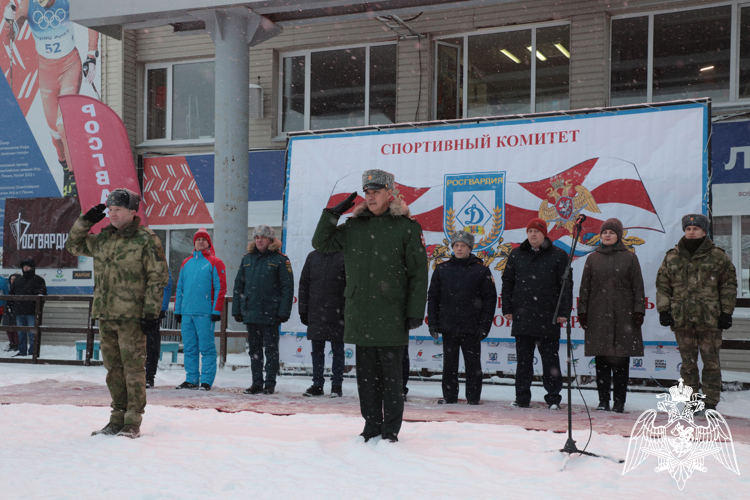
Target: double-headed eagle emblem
{"x":568,"y":201}
{"x":680,"y":446}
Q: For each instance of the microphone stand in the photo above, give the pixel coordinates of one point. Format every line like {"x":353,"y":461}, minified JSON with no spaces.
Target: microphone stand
{"x":570,"y":445}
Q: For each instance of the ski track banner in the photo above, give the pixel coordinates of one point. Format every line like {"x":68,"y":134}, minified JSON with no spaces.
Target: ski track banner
{"x":645,"y":166}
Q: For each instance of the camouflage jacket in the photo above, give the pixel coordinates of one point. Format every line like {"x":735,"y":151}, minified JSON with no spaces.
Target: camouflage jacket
{"x":130,"y":270}
{"x":696,"y":289}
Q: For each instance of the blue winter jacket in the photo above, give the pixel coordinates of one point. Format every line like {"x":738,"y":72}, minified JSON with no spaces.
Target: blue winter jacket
{"x":4,"y":289}
{"x":202,"y":285}
{"x":167,"y":293}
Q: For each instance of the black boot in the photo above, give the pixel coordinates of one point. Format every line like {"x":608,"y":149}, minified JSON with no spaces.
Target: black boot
{"x":108,"y":430}
{"x":618,"y":407}
{"x":130,"y":431}
{"x":149,"y":383}
{"x":336,"y":391}
{"x":603,"y":406}
{"x":254,"y":389}
{"x":313,"y":391}
{"x":187,"y":385}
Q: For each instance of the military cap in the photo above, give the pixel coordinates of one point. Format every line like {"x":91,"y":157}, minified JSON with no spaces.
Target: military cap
{"x":264,"y":230}
{"x":699,"y":220}
{"x":377,"y":179}
{"x":123,"y":197}
{"x":462,"y":237}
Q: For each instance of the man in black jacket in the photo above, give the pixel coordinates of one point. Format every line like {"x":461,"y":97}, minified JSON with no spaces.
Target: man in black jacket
{"x":321,"y":309}
{"x":24,"y":310}
{"x":532,"y":281}
{"x":460,"y":306}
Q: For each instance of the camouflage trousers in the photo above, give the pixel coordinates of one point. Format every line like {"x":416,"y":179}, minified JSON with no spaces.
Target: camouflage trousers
{"x":708,"y":344}
{"x":123,"y":347}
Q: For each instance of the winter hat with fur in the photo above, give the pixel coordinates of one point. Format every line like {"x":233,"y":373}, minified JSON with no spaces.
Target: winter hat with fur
{"x":462,"y":237}
{"x":123,"y":197}
{"x":699,"y":220}
{"x":613,"y":225}
{"x":264,"y":230}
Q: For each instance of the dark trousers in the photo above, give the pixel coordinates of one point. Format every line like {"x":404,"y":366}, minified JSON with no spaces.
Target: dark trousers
{"x":381,"y":396}
{"x":264,"y":338}
{"x":405,"y":369}
{"x":153,"y":348}
{"x":319,"y":362}
{"x":471,"y":348}
{"x":609,"y":369}
{"x":549,"y":348}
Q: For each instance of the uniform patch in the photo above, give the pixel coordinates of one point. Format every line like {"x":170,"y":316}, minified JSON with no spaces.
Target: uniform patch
{"x":289,"y":267}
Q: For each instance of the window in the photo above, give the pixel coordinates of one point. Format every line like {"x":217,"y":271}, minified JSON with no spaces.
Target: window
{"x":732,"y":234}
{"x":339,"y":88}
{"x":180,"y":102}
{"x":501,"y":75}
{"x":682,"y":55}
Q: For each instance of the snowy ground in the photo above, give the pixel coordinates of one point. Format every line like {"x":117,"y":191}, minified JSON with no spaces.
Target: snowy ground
{"x":46,"y":452}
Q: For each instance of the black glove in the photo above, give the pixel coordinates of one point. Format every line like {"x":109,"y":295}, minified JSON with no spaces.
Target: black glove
{"x":162,"y":315}
{"x":666,"y":319}
{"x":215,"y":317}
{"x":583,"y":319}
{"x":413,"y":323}
{"x":725,"y":321}
{"x":85,"y":66}
{"x":482,"y":334}
{"x":282,"y":319}
{"x":95,"y":214}
{"x":238,"y":318}
{"x":178,"y":318}
{"x":345,"y":205}
{"x":434,"y":332}
{"x":149,"y":325}
{"x":638,"y":319}
{"x":303,"y":318}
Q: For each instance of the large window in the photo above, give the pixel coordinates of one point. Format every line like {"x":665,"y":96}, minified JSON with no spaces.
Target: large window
{"x":507,"y":72}
{"x":732,"y":234}
{"x":682,"y":55}
{"x":338,"y":88}
{"x":180,"y":102}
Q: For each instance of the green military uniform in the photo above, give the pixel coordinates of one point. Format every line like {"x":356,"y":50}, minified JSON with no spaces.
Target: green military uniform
{"x":696,"y":290}
{"x":130,"y":273}
{"x":386,"y":283}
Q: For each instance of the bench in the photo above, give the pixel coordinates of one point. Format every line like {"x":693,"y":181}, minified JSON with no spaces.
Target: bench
{"x":172,"y":347}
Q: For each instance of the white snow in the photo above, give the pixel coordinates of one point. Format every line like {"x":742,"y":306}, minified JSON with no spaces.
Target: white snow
{"x":47,"y":452}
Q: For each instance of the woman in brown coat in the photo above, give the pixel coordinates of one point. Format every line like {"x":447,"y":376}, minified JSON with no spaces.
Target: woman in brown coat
{"x":611,"y":308}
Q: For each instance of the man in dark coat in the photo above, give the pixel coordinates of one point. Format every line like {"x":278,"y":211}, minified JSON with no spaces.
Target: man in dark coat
{"x":25,"y":310}
{"x":532,"y":281}
{"x":386,"y":291}
{"x":263,"y":296}
{"x":461,"y":304}
{"x":321,"y":309}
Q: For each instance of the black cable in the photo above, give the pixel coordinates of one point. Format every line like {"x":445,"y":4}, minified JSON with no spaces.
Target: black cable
{"x":412,"y":18}
{"x":591,"y":425}
{"x":419,"y":95}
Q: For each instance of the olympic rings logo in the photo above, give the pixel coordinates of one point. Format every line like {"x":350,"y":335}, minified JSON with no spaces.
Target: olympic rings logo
{"x":50,"y":19}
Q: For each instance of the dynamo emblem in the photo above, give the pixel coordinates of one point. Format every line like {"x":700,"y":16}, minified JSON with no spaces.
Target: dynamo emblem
{"x":475,"y":203}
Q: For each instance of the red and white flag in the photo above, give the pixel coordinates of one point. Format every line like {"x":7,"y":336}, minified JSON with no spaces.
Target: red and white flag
{"x":171,"y":192}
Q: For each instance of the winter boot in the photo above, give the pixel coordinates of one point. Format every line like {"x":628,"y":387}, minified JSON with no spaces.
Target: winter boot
{"x":443,"y":401}
{"x":313,"y":390}
{"x":473,"y":403}
{"x":554,"y":406}
{"x":516,"y":404}
{"x":618,"y":407}
{"x":336,"y":391}
{"x":205,"y":387}
{"x":109,"y":430}
{"x":130,"y":431}
{"x":149,"y":383}
{"x":187,"y":385}
{"x":367,"y":437}
{"x":268,"y":390}
{"x":389,"y":436}
{"x":254,"y":389}
{"x":603,"y":406}
{"x":9,"y":348}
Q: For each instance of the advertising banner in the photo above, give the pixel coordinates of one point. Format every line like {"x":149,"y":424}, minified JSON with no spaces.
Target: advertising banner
{"x":730,"y":159}
{"x":646,"y":167}
{"x":38,"y":228}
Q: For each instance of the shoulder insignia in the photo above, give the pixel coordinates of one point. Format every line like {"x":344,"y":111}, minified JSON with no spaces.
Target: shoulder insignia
{"x":289,"y":266}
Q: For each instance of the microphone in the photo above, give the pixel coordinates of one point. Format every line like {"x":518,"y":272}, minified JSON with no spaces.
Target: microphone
{"x":581,"y":220}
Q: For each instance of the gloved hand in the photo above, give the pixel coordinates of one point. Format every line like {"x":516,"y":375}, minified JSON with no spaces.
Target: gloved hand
{"x":434,"y":332}
{"x":178,"y":318}
{"x":162,"y":315}
{"x":238,"y":318}
{"x":725,"y":321}
{"x":583,"y":319}
{"x":666,"y":319}
{"x":95,"y":214}
{"x":345,"y":205}
{"x":89,"y":68}
{"x":10,"y":13}
{"x":482,"y":334}
{"x":149,"y":325}
{"x":303,"y":318}
{"x":282,"y":319}
{"x":413,"y":323}
{"x":215,"y":317}
{"x":638,"y":319}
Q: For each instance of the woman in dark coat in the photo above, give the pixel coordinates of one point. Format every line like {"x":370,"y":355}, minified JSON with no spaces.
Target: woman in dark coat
{"x":611,"y":308}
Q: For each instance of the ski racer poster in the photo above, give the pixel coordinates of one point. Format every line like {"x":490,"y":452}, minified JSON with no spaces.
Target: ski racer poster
{"x":644,"y":166}
{"x":43,"y":55}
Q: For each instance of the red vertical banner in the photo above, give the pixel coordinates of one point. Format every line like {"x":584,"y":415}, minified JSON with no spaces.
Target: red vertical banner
{"x":100,"y":152}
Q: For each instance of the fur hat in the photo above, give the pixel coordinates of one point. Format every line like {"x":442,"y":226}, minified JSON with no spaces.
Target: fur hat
{"x":123,"y":197}
{"x":264,"y":230}
{"x":539,"y":224}
{"x":202,"y":233}
{"x":699,"y":220}
{"x":377,"y":179}
{"x":613,"y":225}
{"x":28,"y":261}
{"x":463,"y":237}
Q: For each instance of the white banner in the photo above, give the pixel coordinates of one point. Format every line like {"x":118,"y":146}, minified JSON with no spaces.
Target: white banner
{"x":647,"y":167}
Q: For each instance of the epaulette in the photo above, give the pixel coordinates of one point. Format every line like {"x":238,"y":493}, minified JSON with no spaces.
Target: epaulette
{"x":442,"y":262}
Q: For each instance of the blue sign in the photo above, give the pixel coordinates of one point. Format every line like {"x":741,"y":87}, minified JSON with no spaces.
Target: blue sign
{"x":475,"y":203}
{"x":730,"y":152}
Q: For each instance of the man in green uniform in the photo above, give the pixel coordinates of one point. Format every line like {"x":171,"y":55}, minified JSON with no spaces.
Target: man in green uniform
{"x":696,"y":291}
{"x":386,"y":292}
{"x":130,"y":273}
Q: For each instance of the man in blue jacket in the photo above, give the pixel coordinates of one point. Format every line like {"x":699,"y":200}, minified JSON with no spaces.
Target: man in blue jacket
{"x":153,"y":338}
{"x":263,"y":296}
{"x":199,"y":300}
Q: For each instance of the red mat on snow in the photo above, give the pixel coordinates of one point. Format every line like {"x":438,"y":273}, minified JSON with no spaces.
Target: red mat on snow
{"x":538,"y":417}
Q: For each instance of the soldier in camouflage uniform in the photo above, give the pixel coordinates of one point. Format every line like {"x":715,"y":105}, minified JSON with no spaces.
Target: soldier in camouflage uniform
{"x":696,"y":291}
{"x":130,"y":273}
